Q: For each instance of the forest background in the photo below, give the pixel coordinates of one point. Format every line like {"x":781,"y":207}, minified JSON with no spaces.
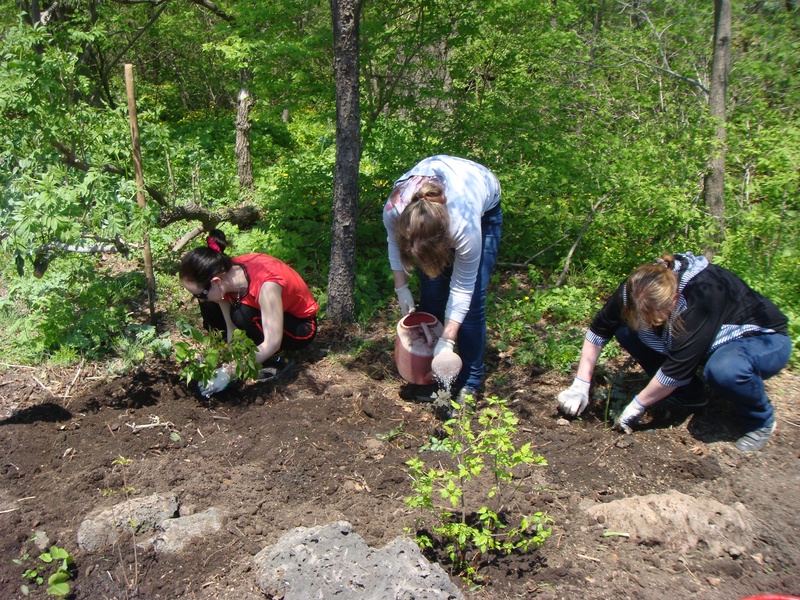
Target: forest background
{"x":595,"y":115}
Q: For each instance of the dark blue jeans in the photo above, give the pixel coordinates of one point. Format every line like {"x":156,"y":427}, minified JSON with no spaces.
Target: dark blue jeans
{"x":735,"y":371}
{"x":472,"y":333}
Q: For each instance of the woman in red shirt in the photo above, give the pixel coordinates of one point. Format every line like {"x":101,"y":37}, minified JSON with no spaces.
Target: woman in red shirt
{"x":257,"y":293}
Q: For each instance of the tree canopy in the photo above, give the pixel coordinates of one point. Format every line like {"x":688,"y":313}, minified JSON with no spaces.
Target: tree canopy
{"x":595,"y":116}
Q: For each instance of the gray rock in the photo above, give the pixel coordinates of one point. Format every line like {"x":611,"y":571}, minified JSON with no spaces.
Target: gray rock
{"x":102,"y":528}
{"x":332,"y":562}
{"x":177,"y":533}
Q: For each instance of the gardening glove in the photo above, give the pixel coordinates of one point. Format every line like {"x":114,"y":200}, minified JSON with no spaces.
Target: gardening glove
{"x":405,"y":299}
{"x":630,"y":416}
{"x":443,"y":345}
{"x":575,"y":398}
{"x":217,"y":383}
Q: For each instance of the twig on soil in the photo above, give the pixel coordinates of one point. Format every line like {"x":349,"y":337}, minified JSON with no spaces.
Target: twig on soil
{"x":2,"y":512}
{"x":785,"y":420}
{"x":74,"y":379}
{"x":44,"y":387}
{"x":592,"y":558}
{"x":683,"y":560}
{"x":208,"y":558}
{"x":157,"y":422}
{"x":599,"y":456}
{"x":16,"y":366}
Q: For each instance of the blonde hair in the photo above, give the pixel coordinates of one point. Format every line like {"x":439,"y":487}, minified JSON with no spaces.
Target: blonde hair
{"x":423,"y":231}
{"x":650,"y":291}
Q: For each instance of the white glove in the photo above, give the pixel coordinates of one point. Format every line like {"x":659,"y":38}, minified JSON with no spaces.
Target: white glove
{"x":574,"y":400}
{"x":218,"y":383}
{"x":405,"y":299}
{"x":443,"y":345}
{"x":630,"y":416}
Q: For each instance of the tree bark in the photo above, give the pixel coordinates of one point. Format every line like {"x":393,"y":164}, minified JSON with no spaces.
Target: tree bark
{"x":715,"y":178}
{"x":341,"y":278}
{"x":244,"y":160}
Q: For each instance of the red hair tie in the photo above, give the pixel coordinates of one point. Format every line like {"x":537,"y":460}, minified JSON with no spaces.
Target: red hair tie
{"x":212,"y":244}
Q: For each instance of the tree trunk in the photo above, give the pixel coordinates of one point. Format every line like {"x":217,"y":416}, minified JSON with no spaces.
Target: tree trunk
{"x":341,"y":278}
{"x":243,"y":157}
{"x":715,"y":178}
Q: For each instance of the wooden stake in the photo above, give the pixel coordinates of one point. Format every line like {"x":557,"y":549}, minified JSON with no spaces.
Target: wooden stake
{"x":137,"y":166}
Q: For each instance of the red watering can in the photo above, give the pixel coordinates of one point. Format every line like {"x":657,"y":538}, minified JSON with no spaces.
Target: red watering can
{"x":417,"y":334}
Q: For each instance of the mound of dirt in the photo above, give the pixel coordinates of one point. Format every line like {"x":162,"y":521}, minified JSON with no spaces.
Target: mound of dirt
{"x":328,"y":442}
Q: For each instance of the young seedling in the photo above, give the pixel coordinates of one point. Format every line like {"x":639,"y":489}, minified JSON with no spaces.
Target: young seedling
{"x":476,"y":441}
{"x":52,"y":566}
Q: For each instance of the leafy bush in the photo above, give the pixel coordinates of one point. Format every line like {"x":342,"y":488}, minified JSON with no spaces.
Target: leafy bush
{"x":476,"y":441}
{"x":209,"y":351}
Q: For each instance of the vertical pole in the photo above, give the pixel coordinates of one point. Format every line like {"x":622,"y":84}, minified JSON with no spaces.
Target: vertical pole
{"x":137,"y":166}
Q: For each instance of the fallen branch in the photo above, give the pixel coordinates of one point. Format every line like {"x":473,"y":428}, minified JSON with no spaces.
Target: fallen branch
{"x":243,"y":217}
{"x":589,"y":219}
{"x":527,"y":262}
{"x":186,"y":238}
{"x":599,"y":456}
{"x":156,"y":422}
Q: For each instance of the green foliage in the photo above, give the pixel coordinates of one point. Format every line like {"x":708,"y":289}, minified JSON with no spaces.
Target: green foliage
{"x":139,"y":343}
{"x":545,"y":326}
{"x":595,"y":119}
{"x":71,"y":311}
{"x":209,"y":351}
{"x":52,"y":566}
{"x":476,"y":441}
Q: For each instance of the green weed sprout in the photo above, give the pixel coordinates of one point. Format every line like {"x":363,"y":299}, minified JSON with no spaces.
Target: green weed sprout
{"x":476,"y":441}
{"x":210,"y":350}
{"x":57,"y":580}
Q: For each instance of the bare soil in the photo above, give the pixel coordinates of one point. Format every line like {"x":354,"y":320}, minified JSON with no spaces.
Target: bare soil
{"x":328,"y":442}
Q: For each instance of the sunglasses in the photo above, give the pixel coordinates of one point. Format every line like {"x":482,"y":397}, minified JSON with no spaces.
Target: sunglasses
{"x":201,"y":295}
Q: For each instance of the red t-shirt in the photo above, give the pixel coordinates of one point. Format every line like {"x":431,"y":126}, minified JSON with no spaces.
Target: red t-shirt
{"x":262,"y":268}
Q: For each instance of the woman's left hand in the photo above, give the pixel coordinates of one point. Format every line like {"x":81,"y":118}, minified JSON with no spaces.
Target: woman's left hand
{"x":630,"y":416}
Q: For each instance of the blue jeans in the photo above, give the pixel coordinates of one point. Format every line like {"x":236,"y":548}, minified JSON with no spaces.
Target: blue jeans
{"x":735,"y":371}
{"x":472,"y":333}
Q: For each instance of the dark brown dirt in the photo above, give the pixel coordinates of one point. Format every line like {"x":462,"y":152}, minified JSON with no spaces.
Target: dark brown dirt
{"x":314,"y":447}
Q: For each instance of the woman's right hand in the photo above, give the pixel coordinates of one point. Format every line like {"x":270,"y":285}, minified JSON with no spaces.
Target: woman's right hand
{"x":405,"y":299}
{"x":574,"y":400}
{"x":217,"y":383}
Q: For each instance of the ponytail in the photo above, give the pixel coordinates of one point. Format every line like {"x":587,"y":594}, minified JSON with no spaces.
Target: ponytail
{"x":202,"y":264}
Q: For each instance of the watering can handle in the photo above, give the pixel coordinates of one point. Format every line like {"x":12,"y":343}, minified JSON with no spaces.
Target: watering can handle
{"x":427,"y":332}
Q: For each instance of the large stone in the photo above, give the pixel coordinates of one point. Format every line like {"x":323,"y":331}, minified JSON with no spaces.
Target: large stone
{"x":102,"y":528}
{"x":678,"y":521}
{"x":176,"y":534}
{"x":332,"y":562}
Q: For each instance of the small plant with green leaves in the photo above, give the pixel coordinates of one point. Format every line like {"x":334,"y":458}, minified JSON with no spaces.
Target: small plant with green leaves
{"x":51,"y":567}
{"x":122,"y":462}
{"x":210,"y":350}
{"x":476,"y":441}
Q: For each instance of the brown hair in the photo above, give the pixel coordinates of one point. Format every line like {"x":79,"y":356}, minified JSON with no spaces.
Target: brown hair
{"x":423,"y":231}
{"x":650,"y":291}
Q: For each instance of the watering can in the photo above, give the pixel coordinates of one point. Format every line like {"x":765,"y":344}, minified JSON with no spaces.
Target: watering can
{"x":417,"y":334}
